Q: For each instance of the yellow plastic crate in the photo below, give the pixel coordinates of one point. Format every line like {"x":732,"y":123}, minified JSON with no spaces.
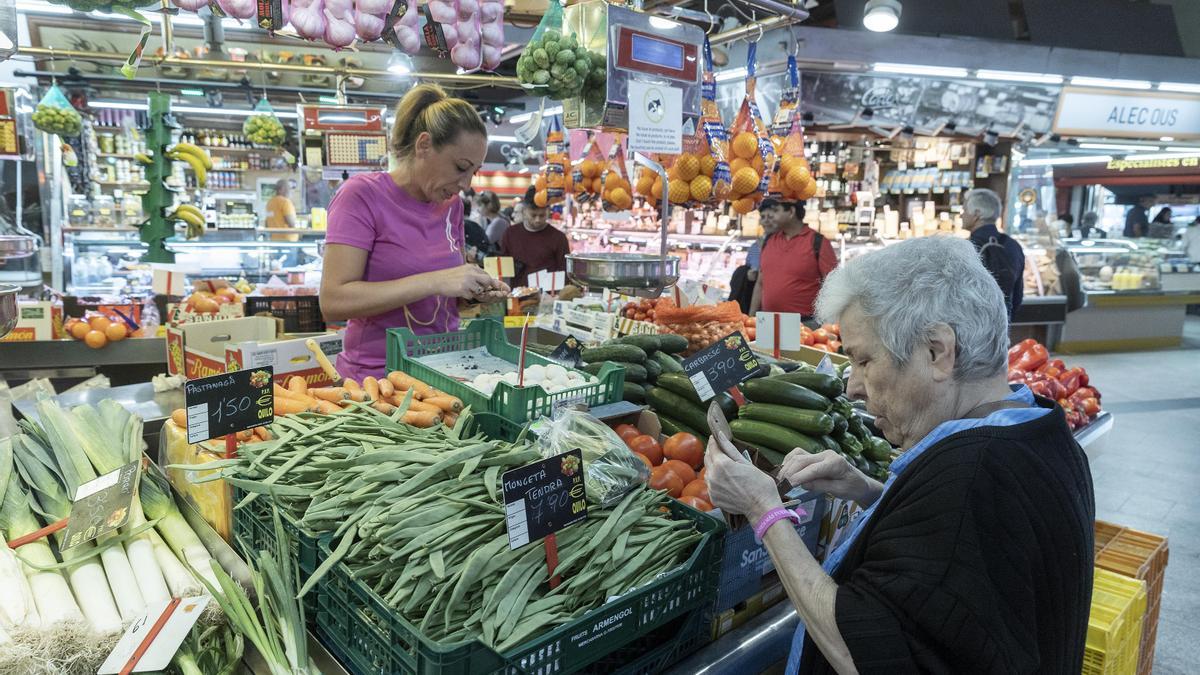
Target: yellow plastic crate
{"x":1115,"y":624}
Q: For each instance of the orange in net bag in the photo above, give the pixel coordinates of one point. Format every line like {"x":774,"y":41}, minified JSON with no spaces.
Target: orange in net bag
{"x":716,"y":164}
{"x":586,"y":173}
{"x":791,"y":178}
{"x":553,"y":181}
{"x":616,"y":192}
{"x":649,"y":184}
{"x":750,"y":148}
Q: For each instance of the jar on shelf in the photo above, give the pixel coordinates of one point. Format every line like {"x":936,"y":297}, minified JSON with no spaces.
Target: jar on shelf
{"x":79,"y":211}
{"x":131,"y":208}
{"x":104,"y":212}
{"x":106,"y":143}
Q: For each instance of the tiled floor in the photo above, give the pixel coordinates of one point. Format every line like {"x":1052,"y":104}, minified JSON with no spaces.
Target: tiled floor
{"x":1147,"y":473}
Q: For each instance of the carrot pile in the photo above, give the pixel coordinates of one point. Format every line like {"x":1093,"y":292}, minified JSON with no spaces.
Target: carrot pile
{"x":428,"y":408}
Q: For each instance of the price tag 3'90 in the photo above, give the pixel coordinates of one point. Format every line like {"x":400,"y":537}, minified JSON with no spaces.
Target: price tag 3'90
{"x":720,"y":366}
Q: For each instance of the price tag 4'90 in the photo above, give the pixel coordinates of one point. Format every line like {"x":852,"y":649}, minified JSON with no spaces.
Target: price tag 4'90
{"x":544,"y":497}
{"x":721,"y":366}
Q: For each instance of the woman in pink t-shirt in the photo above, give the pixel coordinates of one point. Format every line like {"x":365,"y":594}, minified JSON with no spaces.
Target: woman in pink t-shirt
{"x":394,"y":245}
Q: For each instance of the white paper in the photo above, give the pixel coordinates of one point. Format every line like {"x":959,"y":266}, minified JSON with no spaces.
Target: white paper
{"x":550,"y":281}
{"x":165,"y":644}
{"x":655,"y":118}
{"x":789,"y":331}
{"x":169,"y":279}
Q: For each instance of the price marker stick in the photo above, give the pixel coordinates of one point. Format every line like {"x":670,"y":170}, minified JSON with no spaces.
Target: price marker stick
{"x":38,"y":534}
{"x":230,"y":446}
{"x":738,"y":398}
{"x":551,"y":544}
{"x":776,"y":320}
{"x":521,"y":361}
{"x":153,"y":633}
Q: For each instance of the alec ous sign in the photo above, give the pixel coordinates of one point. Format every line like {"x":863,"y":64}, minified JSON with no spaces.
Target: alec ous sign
{"x":1127,"y":114}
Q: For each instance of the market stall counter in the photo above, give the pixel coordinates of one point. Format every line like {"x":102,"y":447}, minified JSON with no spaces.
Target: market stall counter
{"x":126,"y":362}
{"x":1127,"y":320}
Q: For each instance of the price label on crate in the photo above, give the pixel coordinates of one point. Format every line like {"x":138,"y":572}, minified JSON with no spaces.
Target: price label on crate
{"x":101,"y":505}
{"x":720,"y":366}
{"x":544,"y":497}
{"x":228,"y":403}
{"x":151,"y":641}
{"x":568,"y":352}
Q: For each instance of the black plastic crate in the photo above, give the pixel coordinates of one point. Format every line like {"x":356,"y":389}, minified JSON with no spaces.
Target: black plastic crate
{"x":300,"y":313}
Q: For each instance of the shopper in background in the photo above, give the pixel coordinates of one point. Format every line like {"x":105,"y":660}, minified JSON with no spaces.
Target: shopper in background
{"x":745,"y":277}
{"x":794,"y":262}
{"x":1191,"y":240}
{"x":281,"y":212}
{"x":534,"y":245}
{"x":1065,"y":223}
{"x":1162,"y":227}
{"x":490,"y":217}
{"x":1137,"y":221}
{"x":1088,"y":229}
{"x":976,"y":555}
{"x":478,"y":246}
{"x":1000,"y":253}
{"x":395,"y":243}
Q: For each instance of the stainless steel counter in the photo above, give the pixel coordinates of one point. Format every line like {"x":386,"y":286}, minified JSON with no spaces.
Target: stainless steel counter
{"x":761,"y":643}
{"x":44,"y":354}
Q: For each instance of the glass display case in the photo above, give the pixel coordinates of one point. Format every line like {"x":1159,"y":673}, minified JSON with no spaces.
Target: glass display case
{"x":1111,"y":265}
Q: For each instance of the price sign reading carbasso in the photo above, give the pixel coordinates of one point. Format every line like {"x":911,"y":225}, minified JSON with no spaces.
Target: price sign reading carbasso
{"x":544,"y":497}
{"x":228,"y":403}
{"x":724,"y":364}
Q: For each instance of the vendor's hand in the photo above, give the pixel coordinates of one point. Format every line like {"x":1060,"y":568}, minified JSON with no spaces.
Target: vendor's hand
{"x":499,"y":291}
{"x":736,"y":485}
{"x":827,"y":472}
{"x":467,"y":281}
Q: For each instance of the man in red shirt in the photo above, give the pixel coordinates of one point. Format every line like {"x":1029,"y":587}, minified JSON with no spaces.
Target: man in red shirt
{"x":795,"y":261}
{"x":533,"y":244}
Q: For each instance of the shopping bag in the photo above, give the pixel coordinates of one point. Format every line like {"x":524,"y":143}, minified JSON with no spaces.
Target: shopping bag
{"x":55,"y":115}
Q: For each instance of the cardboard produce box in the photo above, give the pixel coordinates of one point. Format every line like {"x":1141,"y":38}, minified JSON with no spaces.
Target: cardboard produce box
{"x":36,"y":321}
{"x":212,"y":500}
{"x":214,"y":347}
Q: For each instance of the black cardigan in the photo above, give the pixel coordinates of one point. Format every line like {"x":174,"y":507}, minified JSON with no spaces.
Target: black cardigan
{"x":978,"y":559}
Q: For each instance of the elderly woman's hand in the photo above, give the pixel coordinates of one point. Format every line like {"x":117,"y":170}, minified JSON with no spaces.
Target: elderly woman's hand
{"x":737,"y":486}
{"x":828,"y":472}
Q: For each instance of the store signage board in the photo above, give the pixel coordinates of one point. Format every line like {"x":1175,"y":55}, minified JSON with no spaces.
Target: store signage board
{"x":158,"y":635}
{"x":544,"y":497}
{"x":655,"y":117}
{"x":228,"y":403}
{"x":10,"y":143}
{"x":1127,"y":114}
{"x":721,"y":366}
{"x":101,"y":505}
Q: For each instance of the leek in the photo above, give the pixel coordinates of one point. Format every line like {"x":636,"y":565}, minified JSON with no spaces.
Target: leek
{"x":51,"y":594}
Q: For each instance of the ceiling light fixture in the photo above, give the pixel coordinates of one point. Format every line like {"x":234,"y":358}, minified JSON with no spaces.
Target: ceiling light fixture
{"x":525,"y":117}
{"x":399,"y":63}
{"x":1182,"y":87}
{"x":1015,"y":76}
{"x":881,"y":16}
{"x":1108,"y":82}
{"x":1165,"y":155}
{"x":1057,"y":161}
{"x":730,"y":74}
{"x":1166,"y":139}
{"x":1118,"y":146}
{"x":1178,"y":148}
{"x":915,"y":69}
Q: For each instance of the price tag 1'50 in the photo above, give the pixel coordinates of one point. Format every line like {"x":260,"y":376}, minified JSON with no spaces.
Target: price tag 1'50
{"x":228,"y":403}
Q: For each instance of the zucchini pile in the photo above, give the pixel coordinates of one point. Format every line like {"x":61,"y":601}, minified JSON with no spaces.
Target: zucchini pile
{"x":645,"y":359}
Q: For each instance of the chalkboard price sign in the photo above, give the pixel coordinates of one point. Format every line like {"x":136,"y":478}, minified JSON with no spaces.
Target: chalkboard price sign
{"x":723,"y":364}
{"x":568,"y":352}
{"x":544,"y":497}
{"x":228,"y":403}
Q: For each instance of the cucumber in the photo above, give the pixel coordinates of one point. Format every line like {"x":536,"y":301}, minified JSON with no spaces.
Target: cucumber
{"x":826,"y":385}
{"x":653,"y":369}
{"x":667,"y":362}
{"x":634,"y":393}
{"x":544,"y":350}
{"x":773,"y":436}
{"x":671,"y":427}
{"x":678,"y":407}
{"x":831,"y":444}
{"x":851,"y":446}
{"x":804,"y":421}
{"x":859,"y":463}
{"x":645,"y":342}
{"x":784,"y":393}
{"x":614,"y":352}
{"x":633,"y":371}
{"x":773,"y":457}
{"x":878,"y":450}
{"x":680,"y":384}
{"x":839,"y":424}
{"x":671,"y":343}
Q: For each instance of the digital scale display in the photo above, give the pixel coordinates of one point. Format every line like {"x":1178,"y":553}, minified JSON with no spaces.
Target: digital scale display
{"x":646,"y":49}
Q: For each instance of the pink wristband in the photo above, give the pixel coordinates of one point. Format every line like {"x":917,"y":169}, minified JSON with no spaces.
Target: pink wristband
{"x":770,"y":518}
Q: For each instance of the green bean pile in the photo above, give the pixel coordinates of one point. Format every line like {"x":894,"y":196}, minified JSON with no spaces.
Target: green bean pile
{"x":418,"y":516}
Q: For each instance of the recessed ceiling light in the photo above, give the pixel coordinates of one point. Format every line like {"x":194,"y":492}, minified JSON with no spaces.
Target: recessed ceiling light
{"x":881,"y":16}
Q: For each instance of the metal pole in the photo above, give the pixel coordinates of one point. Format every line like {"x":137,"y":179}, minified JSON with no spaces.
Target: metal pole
{"x":752,"y":29}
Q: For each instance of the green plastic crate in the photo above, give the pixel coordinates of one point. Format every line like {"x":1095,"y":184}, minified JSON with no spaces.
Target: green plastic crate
{"x":517,"y":404}
{"x":254,"y":530}
{"x":370,"y":638}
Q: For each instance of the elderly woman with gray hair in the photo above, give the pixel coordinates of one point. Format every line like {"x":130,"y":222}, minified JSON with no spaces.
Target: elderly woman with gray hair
{"x":976,"y":554}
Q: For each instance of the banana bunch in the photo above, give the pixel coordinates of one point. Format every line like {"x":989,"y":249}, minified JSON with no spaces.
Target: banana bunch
{"x":192,"y":217}
{"x":195,"y":156}
{"x":144,"y":159}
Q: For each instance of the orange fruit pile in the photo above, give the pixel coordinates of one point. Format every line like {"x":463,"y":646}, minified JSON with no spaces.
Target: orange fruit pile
{"x":747,"y":170}
{"x":795,"y":180}
{"x":96,"y":330}
{"x":617,"y":193}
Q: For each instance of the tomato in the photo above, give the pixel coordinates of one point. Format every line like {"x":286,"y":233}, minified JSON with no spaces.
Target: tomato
{"x":686,"y":473}
{"x":640,"y":316}
{"x":697,"y":488}
{"x":752,"y":333}
{"x":703,"y":474}
{"x":1091,"y":407}
{"x":806,"y":338}
{"x":627,"y":432}
{"x":645,"y":459}
{"x":820,"y":335}
{"x":685,"y":448}
{"x":662,"y":478}
{"x":830,"y":329}
{"x":834,"y":346}
{"x":647,"y":446}
{"x":697,"y":503}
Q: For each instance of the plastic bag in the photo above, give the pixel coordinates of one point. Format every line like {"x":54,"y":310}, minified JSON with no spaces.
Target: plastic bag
{"x":700,"y":174}
{"x":791,"y":177}
{"x":468,"y":53}
{"x":610,"y":467}
{"x":263,"y":127}
{"x":553,"y":181}
{"x":55,"y":115}
{"x":751,"y":148}
{"x":491,"y":18}
{"x":649,"y":183}
{"x":550,"y":66}
{"x":713,"y":129}
{"x":616,"y":193}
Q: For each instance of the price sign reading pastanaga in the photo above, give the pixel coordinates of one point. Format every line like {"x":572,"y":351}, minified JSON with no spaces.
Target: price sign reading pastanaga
{"x":544,"y":497}
{"x":723,"y":364}
{"x":228,"y":403}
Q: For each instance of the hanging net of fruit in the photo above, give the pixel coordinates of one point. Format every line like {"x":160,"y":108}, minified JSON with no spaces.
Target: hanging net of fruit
{"x":713,"y":131}
{"x":586,"y":173}
{"x":553,"y":181}
{"x":263,"y":127}
{"x":55,"y":115}
{"x":750,"y":147}
{"x":649,"y":184}
{"x":791,"y":179}
{"x":555,"y":64}
{"x":617,"y":194}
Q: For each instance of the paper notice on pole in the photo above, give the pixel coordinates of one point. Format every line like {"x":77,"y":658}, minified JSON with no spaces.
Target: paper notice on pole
{"x":655,"y":118}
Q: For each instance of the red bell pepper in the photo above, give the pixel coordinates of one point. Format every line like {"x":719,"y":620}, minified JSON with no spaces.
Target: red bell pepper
{"x":1032,"y":359}
{"x":1020,"y":348}
{"x":1073,"y":379}
{"x":1090,"y":407}
{"x":1057,"y":363}
{"x":1049,"y":370}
